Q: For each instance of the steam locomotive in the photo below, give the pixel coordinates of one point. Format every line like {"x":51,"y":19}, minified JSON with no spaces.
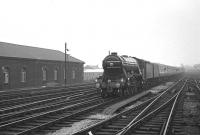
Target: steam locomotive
{"x":125,"y":75}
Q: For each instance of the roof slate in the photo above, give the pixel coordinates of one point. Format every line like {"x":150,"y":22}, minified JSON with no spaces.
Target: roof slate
{"x":21,"y":51}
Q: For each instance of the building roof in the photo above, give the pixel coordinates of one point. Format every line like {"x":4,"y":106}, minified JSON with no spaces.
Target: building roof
{"x":21,"y":51}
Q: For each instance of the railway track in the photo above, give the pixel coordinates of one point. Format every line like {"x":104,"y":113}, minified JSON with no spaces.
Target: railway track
{"x":126,"y":118}
{"x":35,"y":122}
{"x":52,"y":120}
{"x":68,"y":121}
{"x":13,"y":94}
{"x":170,"y":118}
{"x":54,"y":93}
{"x":154,"y":122}
{"x":11,"y":107}
{"x":89,"y":116}
{"x":27,"y":110}
{"x":45,"y":116}
{"x":185,"y":117}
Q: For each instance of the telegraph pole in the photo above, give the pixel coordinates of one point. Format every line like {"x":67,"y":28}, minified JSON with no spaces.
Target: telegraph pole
{"x":66,"y":58}
{"x":65,"y":64}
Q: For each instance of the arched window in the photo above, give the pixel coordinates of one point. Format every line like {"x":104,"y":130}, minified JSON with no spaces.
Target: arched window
{"x":73,"y":74}
{"x":64,"y":73}
{"x":55,"y":74}
{"x":44,"y":74}
{"x":23,"y":74}
{"x":5,"y":75}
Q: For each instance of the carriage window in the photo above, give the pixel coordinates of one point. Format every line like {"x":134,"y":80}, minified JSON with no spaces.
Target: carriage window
{"x":23,"y":75}
{"x":44,"y":74}
{"x":55,"y":74}
{"x":5,"y":75}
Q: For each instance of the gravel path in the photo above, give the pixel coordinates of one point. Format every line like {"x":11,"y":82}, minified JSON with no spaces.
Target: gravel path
{"x":111,"y":109}
{"x":80,"y":125}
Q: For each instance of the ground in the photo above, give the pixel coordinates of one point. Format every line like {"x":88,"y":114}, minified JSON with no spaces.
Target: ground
{"x":191,"y":115}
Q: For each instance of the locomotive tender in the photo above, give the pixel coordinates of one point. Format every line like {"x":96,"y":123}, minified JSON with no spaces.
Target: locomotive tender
{"x":125,"y":75}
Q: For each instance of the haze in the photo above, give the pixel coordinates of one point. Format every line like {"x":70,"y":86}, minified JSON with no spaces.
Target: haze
{"x":160,"y":31}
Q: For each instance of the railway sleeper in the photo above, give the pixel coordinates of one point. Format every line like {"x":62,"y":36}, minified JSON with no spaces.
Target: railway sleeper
{"x":115,"y":126}
{"x":54,"y":128}
{"x":7,"y":132}
{"x":153,"y":126}
{"x":150,"y":128}
{"x":111,"y":130}
{"x":121,"y":124}
{"x":145,"y":132}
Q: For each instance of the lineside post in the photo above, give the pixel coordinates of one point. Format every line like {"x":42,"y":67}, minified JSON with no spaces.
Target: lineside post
{"x":65,"y":64}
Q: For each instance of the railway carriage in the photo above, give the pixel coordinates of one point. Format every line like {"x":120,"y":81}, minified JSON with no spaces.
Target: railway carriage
{"x":92,"y":74}
{"x":125,"y":75}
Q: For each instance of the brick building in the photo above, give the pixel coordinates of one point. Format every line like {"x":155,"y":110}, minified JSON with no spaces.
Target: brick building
{"x":24,"y":66}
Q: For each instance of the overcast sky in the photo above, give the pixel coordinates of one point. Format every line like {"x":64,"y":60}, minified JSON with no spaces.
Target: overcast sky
{"x":163,"y":31}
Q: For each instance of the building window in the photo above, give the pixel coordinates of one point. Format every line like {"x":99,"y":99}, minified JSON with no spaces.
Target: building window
{"x":5,"y":75}
{"x":64,"y":73}
{"x":23,"y":75}
{"x":73,"y":74}
{"x":55,"y":74}
{"x":44,"y":74}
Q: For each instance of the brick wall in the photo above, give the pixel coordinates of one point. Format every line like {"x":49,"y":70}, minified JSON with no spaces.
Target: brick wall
{"x":34,"y":72}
